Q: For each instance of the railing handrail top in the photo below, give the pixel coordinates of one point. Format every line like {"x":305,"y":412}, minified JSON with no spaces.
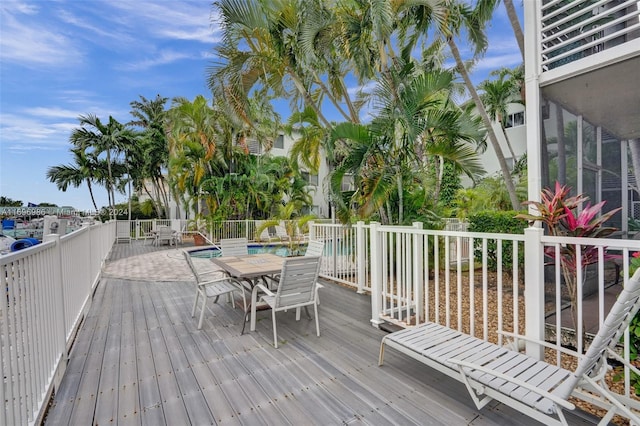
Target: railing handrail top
{"x":619,"y":244}
{"x":26,"y":252}
{"x":442,"y":233}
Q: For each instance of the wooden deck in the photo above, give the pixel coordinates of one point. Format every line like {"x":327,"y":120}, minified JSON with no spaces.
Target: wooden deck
{"x":139,"y":359}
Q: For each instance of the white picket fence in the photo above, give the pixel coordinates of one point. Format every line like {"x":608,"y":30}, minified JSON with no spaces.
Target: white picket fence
{"x":48,"y":289}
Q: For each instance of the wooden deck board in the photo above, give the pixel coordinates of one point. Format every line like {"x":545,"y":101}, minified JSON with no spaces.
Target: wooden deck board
{"x":139,"y":359}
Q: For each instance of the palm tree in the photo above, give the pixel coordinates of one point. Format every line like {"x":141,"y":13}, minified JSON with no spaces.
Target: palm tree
{"x":194,"y":121}
{"x":110,"y":139}
{"x":83,"y":171}
{"x":450,"y":17}
{"x":486,"y":8}
{"x":150,"y":116}
{"x":497,"y":95}
{"x":410,"y":126}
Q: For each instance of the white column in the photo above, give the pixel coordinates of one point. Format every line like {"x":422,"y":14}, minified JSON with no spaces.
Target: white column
{"x":533,"y":113}
{"x":534,"y":290}
{"x":376,"y":274}
{"x":418,"y":273}
{"x":362,"y":256}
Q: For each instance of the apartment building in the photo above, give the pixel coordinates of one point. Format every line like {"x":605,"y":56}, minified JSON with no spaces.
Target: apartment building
{"x":582,"y":76}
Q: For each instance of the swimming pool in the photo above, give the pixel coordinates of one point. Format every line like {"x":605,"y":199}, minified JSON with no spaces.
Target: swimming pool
{"x":278,"y":249}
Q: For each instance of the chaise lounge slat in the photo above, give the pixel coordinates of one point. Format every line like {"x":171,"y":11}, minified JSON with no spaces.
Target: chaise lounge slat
{"x":539,"y":389}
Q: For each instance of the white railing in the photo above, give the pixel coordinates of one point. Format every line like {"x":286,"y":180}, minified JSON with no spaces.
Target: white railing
{"x":346,"y":253}
{"x":575,"y":29}
{"x":416,"y":276}
{"x":47,"y":290}
{"x":425,"y":275}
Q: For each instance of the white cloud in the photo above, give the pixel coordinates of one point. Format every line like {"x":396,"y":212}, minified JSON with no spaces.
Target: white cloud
{"x":171,"y":20}
{"x":52,"y":112}
{"x":161,"y":58}
{"x":499,"y":61}
{"x":30,"y":131}
{"x":31,"y":43}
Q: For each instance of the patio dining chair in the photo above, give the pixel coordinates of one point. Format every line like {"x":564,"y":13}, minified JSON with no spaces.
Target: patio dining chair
{"x":296,"y":289}
{"x":234,"y":247}
{"x":164,"y":233}
{"x":214,"y":287}
{"x":316,"y":248}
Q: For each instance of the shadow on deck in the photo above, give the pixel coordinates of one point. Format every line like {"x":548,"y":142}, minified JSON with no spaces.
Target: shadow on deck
{"x":139,"y":359}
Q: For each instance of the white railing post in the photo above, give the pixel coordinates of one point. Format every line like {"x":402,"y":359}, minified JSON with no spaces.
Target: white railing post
{"x":376,"y":274}
{"x":57,"y":283}
{"x":534,"y":290}
{"x":418,"y":288}
{"x":312,"y":230}
{"x":361,"y":253}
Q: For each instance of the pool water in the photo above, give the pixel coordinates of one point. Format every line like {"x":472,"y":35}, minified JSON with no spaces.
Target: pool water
{"x":208,"y":253}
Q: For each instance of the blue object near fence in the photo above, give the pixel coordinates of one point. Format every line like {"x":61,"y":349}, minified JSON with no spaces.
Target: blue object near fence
{"x":24,"y":243}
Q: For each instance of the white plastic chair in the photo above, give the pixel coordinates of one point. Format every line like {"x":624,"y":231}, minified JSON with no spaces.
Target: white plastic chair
{"x":316,"y":248}
{"x":211,"y":287}
{"x":296,"y":289}
{"x":164,"y":233}
{"x":234,"y":247}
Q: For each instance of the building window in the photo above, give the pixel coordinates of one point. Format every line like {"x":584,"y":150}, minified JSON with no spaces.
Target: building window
{"x":279,"y":142}
{"x":514,"y":120}
{"x":347,"y":183}
{"x":309,"y":178}
{"x":254,"y":147}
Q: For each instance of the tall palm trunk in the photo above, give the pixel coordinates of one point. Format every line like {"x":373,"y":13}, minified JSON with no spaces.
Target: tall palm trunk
{"x":436,"y":192}
{"x":400,"y":198}
{"x":112,"y":196}
{"x":93,"y":200}
{"x":511,"y":189}
{"x":515,"y":24}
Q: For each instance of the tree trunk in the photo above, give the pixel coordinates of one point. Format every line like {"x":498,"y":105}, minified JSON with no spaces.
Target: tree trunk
{"x":506,"y":138}
{"x":93,"y":200}
{"x":436,"y":192}
{"x":515,"y":24}
{"x":511,"y":189}
{"x":400,"y":198}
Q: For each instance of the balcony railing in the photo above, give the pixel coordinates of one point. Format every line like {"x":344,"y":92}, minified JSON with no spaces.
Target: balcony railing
{"x":575,"y":29}
{"x":47,"y":288}
{"x":478,"y":283}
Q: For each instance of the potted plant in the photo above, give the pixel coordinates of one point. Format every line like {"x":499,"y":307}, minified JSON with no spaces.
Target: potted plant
{"x":198,"y":228}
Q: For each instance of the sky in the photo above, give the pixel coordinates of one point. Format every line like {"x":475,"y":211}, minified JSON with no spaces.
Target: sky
{"x":60,"y":59}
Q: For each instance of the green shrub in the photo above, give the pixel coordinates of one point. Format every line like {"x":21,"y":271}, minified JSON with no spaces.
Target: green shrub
{"x":498,"y":222}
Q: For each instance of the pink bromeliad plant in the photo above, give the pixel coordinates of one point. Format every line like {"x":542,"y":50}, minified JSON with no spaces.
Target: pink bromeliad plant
{"x":560,"y":213}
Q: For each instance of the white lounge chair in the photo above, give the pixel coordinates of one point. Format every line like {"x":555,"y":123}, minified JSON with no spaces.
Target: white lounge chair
{"x":211,"y":287}
{"x":296,"y":289}
{"x":234,"y":247}
{"x":531,"y":386}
